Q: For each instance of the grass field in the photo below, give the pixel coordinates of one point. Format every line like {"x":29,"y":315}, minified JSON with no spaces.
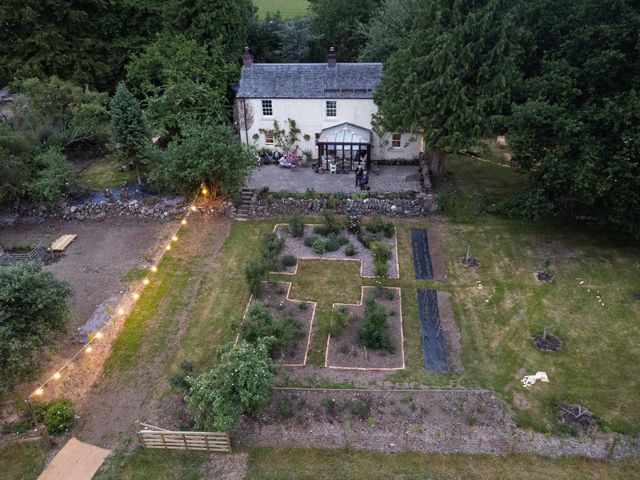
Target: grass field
{"x":267,"y":464}
{"x":105,"y":173}
{"x":287,"y":8}
{"x":21,"y":461}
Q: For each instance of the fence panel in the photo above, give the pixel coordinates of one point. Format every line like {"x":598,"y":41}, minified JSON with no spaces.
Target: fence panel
{"x":176,"y":440}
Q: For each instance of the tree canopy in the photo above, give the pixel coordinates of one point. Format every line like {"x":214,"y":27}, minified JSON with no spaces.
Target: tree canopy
{"x":33,"y":310}
{"x":388,"y":28}
{"x":576,"y":123}
{"x":452,"y":75}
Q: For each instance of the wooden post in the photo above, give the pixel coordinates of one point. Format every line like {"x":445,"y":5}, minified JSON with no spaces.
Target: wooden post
{"x":612,"y":447}
{"x":44,"y":437}
{"x":33,"y":414}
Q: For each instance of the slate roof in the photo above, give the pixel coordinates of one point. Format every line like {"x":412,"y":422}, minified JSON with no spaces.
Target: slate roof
{"x":309,"y":80}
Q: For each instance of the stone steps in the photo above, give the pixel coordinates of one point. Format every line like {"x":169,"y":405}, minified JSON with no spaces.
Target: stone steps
{"x":246,"y":194}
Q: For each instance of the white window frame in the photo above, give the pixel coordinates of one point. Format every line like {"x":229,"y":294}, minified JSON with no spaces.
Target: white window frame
{"x":333,"y":108}
{"x":267,"y":106}
{"x":268,"y":137}
{"x":394,"y":140}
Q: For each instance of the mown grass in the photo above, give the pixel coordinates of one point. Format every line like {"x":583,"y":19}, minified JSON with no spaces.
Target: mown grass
{"x":287,"y":8}
{"x":105,"y":173}
{"x":21,"y":461}
{"x":316,"y":464}
{"x":143,"y":464}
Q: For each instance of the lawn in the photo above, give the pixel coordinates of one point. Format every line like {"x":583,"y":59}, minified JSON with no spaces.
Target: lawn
{"x":287,"y":8}
{"x":268,"y":463}
{"x":21,"y":461}
{"x":105,"y":173}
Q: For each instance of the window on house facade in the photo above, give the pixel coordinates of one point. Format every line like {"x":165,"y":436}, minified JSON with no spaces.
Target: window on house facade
{"x":267,"y":108}
{"x":332,"y":108}
{"x":396,"y":140}
{"x":268,"y":136}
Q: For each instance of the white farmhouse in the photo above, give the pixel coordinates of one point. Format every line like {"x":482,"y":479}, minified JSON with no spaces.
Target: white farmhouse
{"x":331,"y":103}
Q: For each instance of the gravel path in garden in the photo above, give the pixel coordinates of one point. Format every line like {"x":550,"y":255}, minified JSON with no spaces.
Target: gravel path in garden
{"x":296,"y":248}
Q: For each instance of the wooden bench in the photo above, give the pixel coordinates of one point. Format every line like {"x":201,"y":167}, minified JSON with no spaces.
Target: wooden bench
{"x":61,"y":244}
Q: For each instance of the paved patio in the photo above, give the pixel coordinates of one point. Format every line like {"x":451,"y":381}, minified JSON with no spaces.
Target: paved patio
{"x":391,"y":178}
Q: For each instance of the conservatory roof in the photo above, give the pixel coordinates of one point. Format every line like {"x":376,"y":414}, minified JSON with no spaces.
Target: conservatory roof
{"x":345,"y":133}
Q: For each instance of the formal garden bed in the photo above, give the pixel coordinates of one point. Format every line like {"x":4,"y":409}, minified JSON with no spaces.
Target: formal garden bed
{"x":272,"y":312}
{"x":373,"y":244}
{"x":367,"y":335}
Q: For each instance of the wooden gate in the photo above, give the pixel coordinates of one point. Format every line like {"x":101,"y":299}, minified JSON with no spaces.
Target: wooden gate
{"x":155,"y":437}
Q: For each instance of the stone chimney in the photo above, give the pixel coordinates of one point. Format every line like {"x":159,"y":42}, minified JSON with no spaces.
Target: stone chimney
{"x":331,"y":58}
{"x":247,"y":58}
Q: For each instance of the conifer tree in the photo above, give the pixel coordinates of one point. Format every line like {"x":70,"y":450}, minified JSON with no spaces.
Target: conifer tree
{"x":128,"y":128}
{"x":453,"y":74}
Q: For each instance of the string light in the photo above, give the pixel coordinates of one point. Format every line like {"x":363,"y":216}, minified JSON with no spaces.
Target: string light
{"x":88,"y":348}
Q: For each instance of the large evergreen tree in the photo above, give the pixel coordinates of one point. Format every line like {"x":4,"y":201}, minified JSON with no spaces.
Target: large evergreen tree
{"x":388,"y":28}
{"x":453,"y":74}
{"x":340,"y":24}
{"x":577,"y":121}
{"x":128,"y":129}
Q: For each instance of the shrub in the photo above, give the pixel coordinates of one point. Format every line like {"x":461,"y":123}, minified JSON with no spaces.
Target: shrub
{"x":309,"y":241}
{"x":353,"y":224}
{"x":319,"y":246}
{"x":360,"y":408}
{"x":340,"y":319}
{"x":366,"y":239}
{"x":332,"y":243}
{"x":389,"y":229}
{"x":241,"y":383}
{"x":255,"y":273}
{"x":58,"y":415}
{"x":350,"y":250}
{"x":377,"y":226}
{"x":331,"y":406}
{"x":330,"y":223}
{"x":33,"y":310}
{"x":179,"y":380}
{"x":321,"y":230}
{"x":296,"y":225}
{"x":380,"y":269}
{"x":289,"y":261}
{"x":343,"y":240}
{"x":303,"y":306}
{"x":381,"y":252}
{"x":271,"y":246}
{"x":260,"y":323}
{"x":373,"y":332}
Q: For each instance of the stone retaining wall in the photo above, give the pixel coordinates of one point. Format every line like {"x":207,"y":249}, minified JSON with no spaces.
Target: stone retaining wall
{"x":416,"y":207}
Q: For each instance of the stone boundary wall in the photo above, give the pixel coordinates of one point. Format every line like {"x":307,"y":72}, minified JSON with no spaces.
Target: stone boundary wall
{"x":159,"y":209}
{"x":422,"y":205}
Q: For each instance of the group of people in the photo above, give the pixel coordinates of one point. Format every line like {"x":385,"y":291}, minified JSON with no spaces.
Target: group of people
{"x":277,"y":157}
{"x":362,"y":178}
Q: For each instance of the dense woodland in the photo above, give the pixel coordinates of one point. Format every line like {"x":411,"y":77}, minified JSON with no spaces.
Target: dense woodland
{"x":560,"y":78}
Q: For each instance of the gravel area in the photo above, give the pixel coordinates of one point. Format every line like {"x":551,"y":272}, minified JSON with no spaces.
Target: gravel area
{"x":296,"y":247}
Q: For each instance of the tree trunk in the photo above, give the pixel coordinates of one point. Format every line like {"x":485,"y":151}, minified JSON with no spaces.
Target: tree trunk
{"x":137,"y":172}
{"x":436,"y":165}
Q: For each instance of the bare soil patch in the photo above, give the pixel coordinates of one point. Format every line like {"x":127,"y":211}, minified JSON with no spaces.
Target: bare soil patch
{"x":275,"y":296}
{"x":577,"y":418}
{"x":295,"y":247}
{"x":470,"y":261}
{"x":436,"y":252}
{"x":450,"y":331}
{"x":548,"y":342}
{"x":544,"y":277}
{"x":346,"y":351}
{"x":382,"y":420}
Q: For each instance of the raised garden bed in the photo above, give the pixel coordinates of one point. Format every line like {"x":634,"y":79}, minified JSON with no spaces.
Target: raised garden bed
{"x":345,"y":351}
{"x":275,"y":296}
{"x":295,"y":247}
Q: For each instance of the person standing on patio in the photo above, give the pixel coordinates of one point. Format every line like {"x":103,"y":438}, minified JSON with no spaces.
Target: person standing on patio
{"x":359,"y":172}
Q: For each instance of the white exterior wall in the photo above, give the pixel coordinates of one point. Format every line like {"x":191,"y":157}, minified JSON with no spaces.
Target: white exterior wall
{"x":310,"y":116}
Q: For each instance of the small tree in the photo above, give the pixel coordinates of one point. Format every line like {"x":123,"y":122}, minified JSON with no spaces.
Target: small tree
{"x":128,"y":129}
{"x":282,"y":138}
{"x":54,"y":175}
{"x":240,"y":384}
{"x":33,"y":309}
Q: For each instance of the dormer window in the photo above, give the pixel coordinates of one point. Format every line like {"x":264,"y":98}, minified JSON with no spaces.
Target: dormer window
{"x":267,"y":108}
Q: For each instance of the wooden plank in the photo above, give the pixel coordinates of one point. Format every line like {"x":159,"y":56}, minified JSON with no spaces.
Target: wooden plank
{"x":62,"y":243}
